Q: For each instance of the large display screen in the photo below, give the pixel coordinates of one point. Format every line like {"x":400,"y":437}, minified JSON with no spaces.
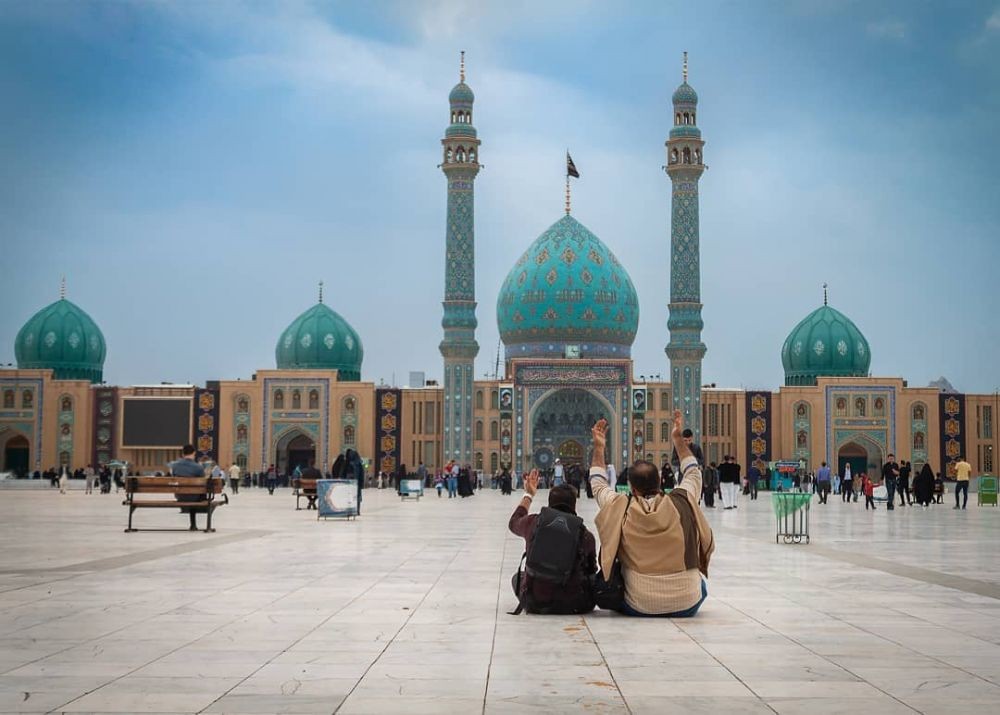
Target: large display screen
{"x":156,"y":422}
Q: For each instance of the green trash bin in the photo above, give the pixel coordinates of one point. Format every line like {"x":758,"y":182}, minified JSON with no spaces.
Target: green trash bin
{"x":792,"y":512}
{"x":987,"y":490}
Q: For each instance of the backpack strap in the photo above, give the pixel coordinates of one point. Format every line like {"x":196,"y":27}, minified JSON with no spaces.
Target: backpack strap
{"x":517,"y":580}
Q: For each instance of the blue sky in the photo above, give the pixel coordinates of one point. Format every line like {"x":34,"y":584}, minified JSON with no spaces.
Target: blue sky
{"x":195,"y":169}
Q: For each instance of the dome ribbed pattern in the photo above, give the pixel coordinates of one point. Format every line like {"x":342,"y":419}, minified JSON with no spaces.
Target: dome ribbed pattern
{"x":825,"y":344}
{"x":320,"y":339}
{"x":63,"y":338}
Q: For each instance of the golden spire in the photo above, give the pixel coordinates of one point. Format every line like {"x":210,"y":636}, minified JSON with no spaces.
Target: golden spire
{"x":461,"y":68}
{"x":321,"y":291}
{"x":62,"y":288}
{"x":685,"y":67}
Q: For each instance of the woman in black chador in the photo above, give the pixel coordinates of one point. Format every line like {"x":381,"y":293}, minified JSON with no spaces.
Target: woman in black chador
{"x":923,"y":486}
{"x":464,"y":483}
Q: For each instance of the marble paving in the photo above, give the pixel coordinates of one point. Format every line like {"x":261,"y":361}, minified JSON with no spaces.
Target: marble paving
{"x":405,"y":611}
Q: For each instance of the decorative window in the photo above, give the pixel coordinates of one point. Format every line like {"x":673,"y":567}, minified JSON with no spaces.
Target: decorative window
{"x":313,"y":400}
{"x":479,"y":461}
{"x":664,"y":431}
{"x":879,"y":407}
{"x":800,"y":411}
{"x":27,"y":399}
{"x":65,"y":429}
{"x":665,"y":401}
{"x":8,"y":399}
{"x":802,"y":439}
{"x":241,"y":433}
{"x":350,"y":404}
{"x":919,"y":442}
{"x":241,"y":461}
{"x":64,"y":459}
{"x":859,"y":407}
{"x":66,"y":404}
{"x":494,"y":462}
{"x":296,"y":400}
{"x":479,"y":429}
{"x":242,"y":405}
{"x":279,"y":400}
{"x":919,"y":413}
{"x":479,"y":399}
{"x":494,"y":430}
{"x":650,"y":435}
{"x":713,"y":420}
{"x":841,"y":407}
{"x":349,"y":436}
{"x":495,"y":399}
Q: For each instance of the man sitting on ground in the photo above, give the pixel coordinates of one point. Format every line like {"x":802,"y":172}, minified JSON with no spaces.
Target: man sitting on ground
{"x":663,"y":541}
{"x":186,"y":466}
{"x":560,"y":553}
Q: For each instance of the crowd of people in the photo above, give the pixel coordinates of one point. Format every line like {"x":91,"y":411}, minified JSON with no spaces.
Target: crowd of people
{"x":894,"y":479}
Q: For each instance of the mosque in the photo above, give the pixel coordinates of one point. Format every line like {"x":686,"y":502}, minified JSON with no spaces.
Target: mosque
{"x":567,"y":313}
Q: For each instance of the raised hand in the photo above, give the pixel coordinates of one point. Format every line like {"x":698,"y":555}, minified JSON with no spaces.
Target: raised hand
{"x":677,"y":435}
{"x":531,"y":483}
{"x":599,"y":434}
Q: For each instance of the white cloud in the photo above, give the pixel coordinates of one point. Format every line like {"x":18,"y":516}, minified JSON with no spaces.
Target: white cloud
{"x":993,"y":22}
{"x":887,"y":29}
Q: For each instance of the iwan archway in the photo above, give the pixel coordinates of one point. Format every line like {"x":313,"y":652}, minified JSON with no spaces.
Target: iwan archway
{"x":559,"y":426}
{"x":294,"y":448}
{"x":863,"y":453}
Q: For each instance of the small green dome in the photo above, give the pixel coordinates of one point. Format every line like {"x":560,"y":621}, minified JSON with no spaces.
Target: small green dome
{"x":685,"y":94}
{"x":825,"y":344}
{"x":568,"y":289}
{"x":320,"y":339}
{"x":461,"y":93}
{"x":63,"y":338}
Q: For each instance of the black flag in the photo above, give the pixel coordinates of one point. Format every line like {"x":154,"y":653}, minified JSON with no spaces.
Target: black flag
{"x":571,"y":167}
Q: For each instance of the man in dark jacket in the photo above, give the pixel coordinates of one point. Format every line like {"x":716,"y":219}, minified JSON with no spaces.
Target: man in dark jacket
{"x":575,"y":595}
{"x":695,"y":450}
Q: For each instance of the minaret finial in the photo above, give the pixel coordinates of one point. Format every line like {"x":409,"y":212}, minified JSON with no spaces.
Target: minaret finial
{"x":321,"y":291}
{"x":824,"y":294}
{"x":567,"y":195}
{"x":685,"y":66}
{"x":62,"y":288}
{"x":461,"y":68}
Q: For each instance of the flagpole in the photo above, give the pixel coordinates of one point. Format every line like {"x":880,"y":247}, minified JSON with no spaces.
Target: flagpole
{"x":567,"y":182}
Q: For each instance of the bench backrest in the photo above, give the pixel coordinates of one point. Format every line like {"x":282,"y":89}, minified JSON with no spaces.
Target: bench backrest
{"x":307,"y":484}
{"x":173,"y":485}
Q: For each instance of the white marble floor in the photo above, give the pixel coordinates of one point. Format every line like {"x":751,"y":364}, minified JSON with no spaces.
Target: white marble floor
{"x":405,"y":611}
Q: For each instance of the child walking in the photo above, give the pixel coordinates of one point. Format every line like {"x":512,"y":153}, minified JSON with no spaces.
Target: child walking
{"x":869,"y":489}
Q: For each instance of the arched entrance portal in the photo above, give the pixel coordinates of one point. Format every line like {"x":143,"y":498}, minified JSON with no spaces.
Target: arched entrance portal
{"x":16,"y":452}
{"x":560,"y":427}
{"x":863,"y":455}
{"x":295,"y":449}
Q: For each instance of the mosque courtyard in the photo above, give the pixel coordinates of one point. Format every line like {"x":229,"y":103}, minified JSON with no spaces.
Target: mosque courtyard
{"x":405,"y":610}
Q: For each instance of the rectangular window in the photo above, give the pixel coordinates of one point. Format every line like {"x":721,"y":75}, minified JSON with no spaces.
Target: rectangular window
{"x":429,"y":426}
{"x":987,"y":421}
{"x":988,"y":458}
{"x":665,"y":401}
{"x":713,"y":420}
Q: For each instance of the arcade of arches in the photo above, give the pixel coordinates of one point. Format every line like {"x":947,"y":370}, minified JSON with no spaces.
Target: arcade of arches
{"x":560,"y":427}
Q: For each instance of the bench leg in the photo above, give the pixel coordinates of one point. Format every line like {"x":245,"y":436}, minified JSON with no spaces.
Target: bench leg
{"x":194,"y":520}
{"x":131,"y":510}
{"x":208,"y":516}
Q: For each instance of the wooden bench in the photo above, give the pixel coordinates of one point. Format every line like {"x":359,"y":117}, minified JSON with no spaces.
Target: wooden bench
{"x":304,"y":488}
{"x":199,"y":496}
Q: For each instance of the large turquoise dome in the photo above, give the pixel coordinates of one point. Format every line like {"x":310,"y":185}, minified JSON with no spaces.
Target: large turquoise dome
{"x":320,"y":339}
{"x":825,"y":344}
{"x":63,"y":338}
{"x":568,"y":289}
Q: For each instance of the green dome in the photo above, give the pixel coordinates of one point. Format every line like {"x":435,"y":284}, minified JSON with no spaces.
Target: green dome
{"x":685,"y":94}
{"x":320,"y":339}
{"x":825,"y":344}
{"x":461,"y":93}
{"x":568,"y":289}
{"x":63,"y":338}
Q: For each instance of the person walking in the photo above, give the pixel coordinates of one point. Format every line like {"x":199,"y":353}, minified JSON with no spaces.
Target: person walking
{"x":823,"y":483}
{"x":890,"y":470}
{"x":963,"y":470}
{"x":234,"y":478}
{"x":558,"y":478}
{"x":729,"y":481}
{"x":903,"y":484}
{"x":709,"y":485}
{"x":452,"y":471}
{"x":89,"y":475}
{"x":753,"y":481}
{"x":923,"y":486}
{"x":869,"y":489}
{"x":439,"y":483}
{"x":847,"y":485}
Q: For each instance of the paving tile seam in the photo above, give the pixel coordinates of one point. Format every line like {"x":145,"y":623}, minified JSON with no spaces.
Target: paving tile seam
{"x":604,"y":661}
{"x":114,"y":562}
{"x":819,"y":655}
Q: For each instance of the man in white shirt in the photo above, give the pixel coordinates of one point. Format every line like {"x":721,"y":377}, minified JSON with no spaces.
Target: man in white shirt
{"x":557,"y":479}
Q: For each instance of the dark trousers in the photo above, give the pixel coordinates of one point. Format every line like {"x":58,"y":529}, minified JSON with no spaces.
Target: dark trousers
{"x":824,"y":491}
{"x":904,"y":493}
{"x":752,"y":483}
{"x":869,"y":500}
{"x":846,"y":490}
{"x":890,"y":490}
{"x":709,"y":496}
{"x":964,"y":488}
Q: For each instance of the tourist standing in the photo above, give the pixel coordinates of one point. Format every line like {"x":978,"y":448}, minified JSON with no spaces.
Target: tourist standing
{"x":438,"y":482}
{"x":422,"y":473}
{"x":847,"y":485}
{"x":63,"y":480}
{"x":710,"y":484}
{"x":869,"y":489}
{"x":753,"y":481}
{"x":903,"y":484}
{"x":89,"y":475}
{"x":558,"y":474}
{"x":452,"y":470}
{"x":666,"y":476}
{"x":963,"y":470}
{"x":272,"y":479}
{"x":890,"y":470}
{"x":234,"y":478}
{"x":823,"y":483}
{"x":729,"y":481}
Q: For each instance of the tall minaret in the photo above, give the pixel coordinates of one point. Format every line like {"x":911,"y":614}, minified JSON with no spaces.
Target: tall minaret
{"x":685,"y":166}
{"x":459,"y":347}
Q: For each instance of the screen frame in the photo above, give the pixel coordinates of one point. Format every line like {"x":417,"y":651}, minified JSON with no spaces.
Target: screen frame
{"x":157,"y":398}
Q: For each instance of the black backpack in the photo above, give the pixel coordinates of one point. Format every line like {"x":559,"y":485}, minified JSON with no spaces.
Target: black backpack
{"x":553,"y":557}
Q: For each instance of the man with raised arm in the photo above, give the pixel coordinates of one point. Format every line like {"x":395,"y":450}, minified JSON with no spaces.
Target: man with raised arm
{"x":663,"y":541}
